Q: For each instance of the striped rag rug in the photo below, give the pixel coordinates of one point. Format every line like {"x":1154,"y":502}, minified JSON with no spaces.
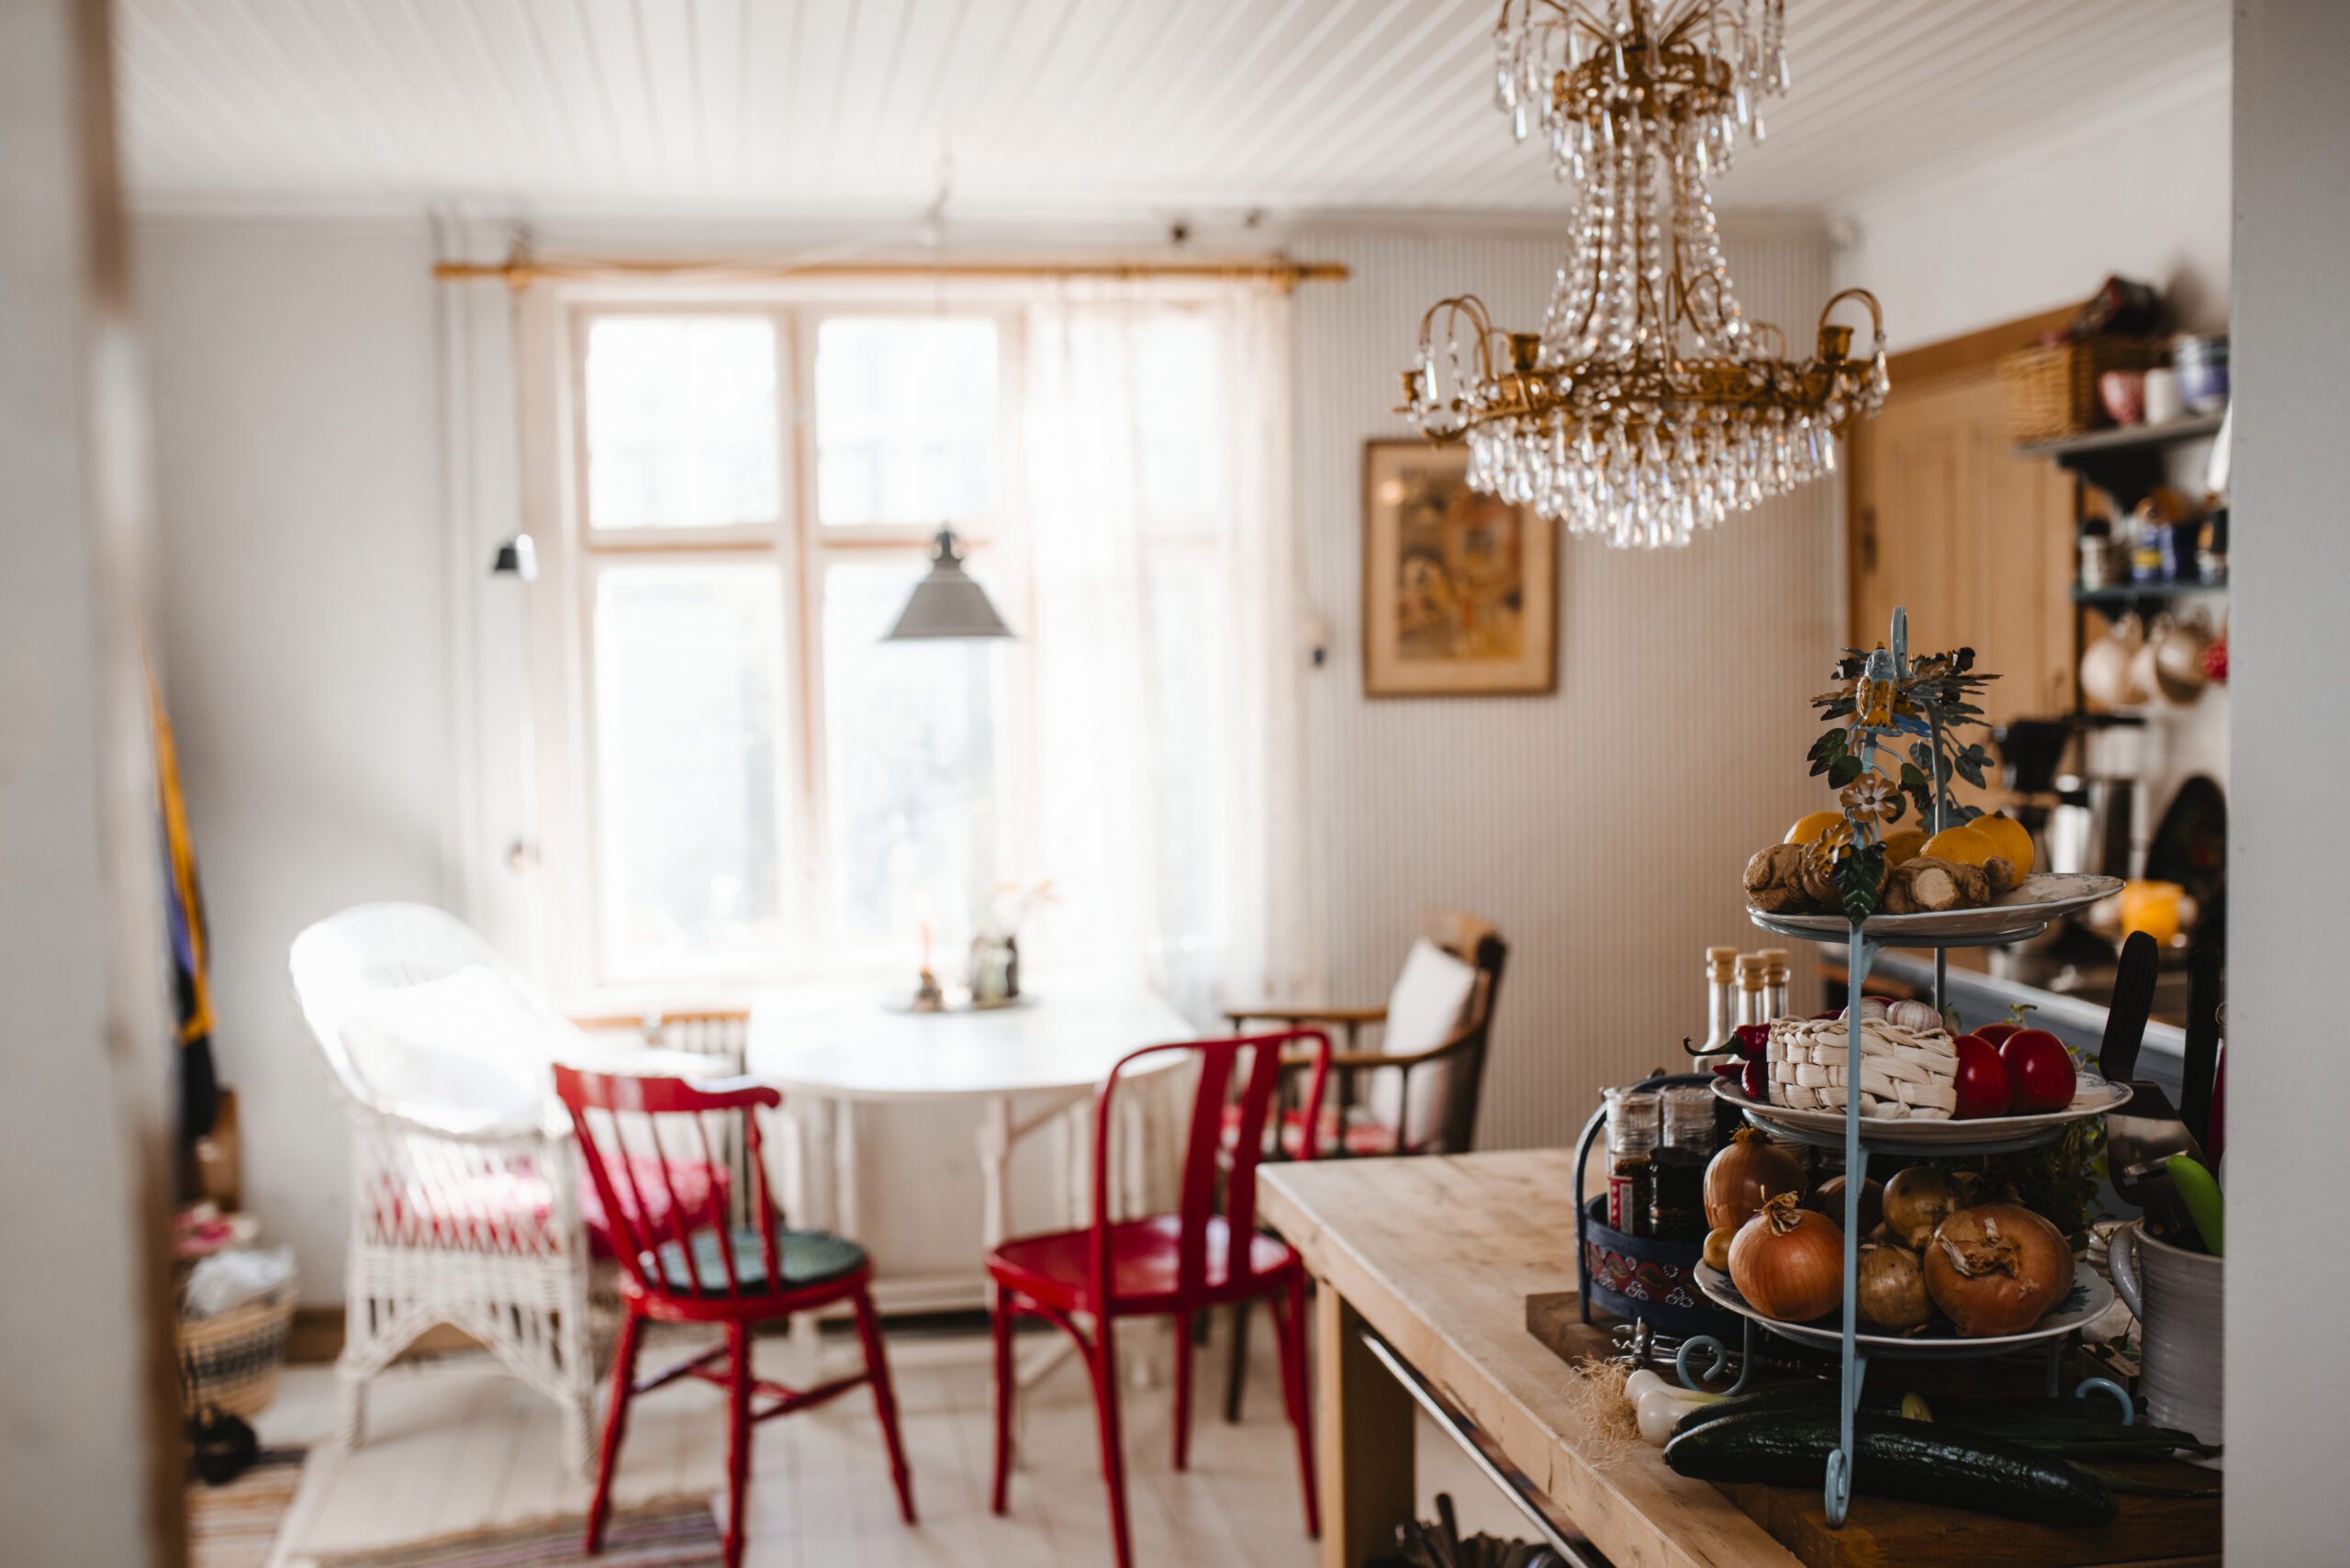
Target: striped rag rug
{"x":235,"y":1526}
{"x":680,"y":1532}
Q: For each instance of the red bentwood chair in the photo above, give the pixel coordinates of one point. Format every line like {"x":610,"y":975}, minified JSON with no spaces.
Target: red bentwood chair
{"x":705,"y":1270}
{"x":1180,"y":1264}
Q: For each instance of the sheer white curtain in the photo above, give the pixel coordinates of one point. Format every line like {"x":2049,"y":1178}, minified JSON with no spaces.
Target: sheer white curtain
{"x":1164,"y":640}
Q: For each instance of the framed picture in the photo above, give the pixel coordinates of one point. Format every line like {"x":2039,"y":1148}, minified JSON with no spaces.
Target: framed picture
{"x":1460,"y":590}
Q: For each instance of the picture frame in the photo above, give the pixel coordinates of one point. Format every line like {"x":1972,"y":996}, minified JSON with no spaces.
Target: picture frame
{"x":1460,"y":590}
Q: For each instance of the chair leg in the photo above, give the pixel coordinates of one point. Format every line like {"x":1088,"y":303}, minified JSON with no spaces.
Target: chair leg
{"x":885,"y":1400}
{"x":1101,"y":1360}
{"x":738,"y":1436}
{"x":1183,"y":1389}
{"x":1000,"y":1321}
{"x":1292,"y":1340}
{"x":349,"y":1407}
{"x":615,"y":1424}
{"x":1236,"y":1377}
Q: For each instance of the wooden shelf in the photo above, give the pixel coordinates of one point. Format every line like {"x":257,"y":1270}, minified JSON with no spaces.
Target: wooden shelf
{"x":2127,"y":462}
{"x":2127,"y":437}
{"x":2133,"y":593}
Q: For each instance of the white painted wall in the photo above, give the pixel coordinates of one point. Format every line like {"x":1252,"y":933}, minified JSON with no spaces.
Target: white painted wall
{"x":2137,"y":186}
{"x":89,"y":1470}
{"x":302,"y":635}
{"x":1602,"y":827}
{"x":2287,"y":1155}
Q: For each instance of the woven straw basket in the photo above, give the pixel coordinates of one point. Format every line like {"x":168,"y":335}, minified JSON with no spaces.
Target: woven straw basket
{"x":229,"y":1362}
{"x":2052,"y":391}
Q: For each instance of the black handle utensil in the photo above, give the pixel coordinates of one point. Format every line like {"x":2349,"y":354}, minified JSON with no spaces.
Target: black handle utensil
{"x":2125,"y":1015}
{"x":2203,"y":981}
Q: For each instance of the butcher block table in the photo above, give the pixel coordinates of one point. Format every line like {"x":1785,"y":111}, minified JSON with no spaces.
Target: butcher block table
{"x":1437,"y":1258}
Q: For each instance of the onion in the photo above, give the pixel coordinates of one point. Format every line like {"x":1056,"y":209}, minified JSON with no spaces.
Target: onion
{"x":1718,"y":1242}
{"x":1919,"y":1199}
{"x":1891,"y":1291}
{"x":1829,"y":1200}
{"x":1996,"y":1269}
{"x":1661,"y":1409}
{"x":1788,"y":1262}
{"x":1747,"y":1173}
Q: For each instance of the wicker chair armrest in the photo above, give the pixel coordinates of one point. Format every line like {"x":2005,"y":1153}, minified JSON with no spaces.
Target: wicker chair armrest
{"x":518,"y":1139}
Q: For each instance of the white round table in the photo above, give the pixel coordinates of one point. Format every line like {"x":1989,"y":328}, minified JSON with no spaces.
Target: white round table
{"x":838,"y":1048}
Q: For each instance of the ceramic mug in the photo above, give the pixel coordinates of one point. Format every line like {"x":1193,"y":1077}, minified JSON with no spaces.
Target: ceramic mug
{"x":2164,"y":401}
{"x":2178,"y":675}
{"x":2106,"y":668}
{"x":2123,"y":392}
{"x":2177,"y":1295}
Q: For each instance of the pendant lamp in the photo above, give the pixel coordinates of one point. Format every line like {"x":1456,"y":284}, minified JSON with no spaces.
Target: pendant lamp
{"x":948,"y":602}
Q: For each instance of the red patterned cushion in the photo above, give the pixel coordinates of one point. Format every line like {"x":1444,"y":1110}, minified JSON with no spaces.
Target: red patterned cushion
{"x":509,"y":1210}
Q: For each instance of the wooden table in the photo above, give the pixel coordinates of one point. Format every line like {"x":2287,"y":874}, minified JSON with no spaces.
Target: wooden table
{"x":1438,"y":1255}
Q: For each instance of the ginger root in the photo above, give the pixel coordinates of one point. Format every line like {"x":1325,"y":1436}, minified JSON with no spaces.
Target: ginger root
{"x":1925,"y":886}
{"x":1775,"y":879}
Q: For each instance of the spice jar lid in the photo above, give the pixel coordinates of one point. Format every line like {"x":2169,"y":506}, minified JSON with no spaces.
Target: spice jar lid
{"x":1689,"y":1117}
{"x":1721,"y":963}
{"x":1749,"y":971}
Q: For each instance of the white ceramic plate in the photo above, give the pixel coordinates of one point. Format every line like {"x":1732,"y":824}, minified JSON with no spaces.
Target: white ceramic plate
{"x":2044,"y":896}
{"x":2092,"y":1096}
{"x":2088,"y":1296}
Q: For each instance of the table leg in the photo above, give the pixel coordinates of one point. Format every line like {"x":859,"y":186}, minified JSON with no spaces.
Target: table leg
{"x":809,"y":1119}
{"x":995,"y":1172}
{"x":1363,"y":1436}
{"x":847,"y":1219}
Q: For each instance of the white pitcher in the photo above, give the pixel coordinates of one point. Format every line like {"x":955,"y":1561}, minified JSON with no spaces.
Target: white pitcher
{"x":2175,"y":1294}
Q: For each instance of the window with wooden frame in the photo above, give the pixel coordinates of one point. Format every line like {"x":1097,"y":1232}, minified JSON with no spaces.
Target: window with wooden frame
{"x":738,"y":780}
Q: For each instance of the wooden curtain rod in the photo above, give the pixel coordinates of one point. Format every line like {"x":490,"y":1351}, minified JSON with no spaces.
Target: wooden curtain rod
{"x":522,"y":271}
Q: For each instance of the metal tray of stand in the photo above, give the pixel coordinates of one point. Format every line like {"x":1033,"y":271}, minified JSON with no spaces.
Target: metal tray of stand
{"x":2026,"y":911}
{"x":2092,"y":1096}
{"x":2088,"y":1296}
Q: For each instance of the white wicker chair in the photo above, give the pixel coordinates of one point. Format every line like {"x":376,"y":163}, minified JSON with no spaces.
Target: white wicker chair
{"x":463,"y":1213}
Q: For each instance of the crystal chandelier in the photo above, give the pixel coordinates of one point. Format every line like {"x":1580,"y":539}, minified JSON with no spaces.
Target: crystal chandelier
{"x":1649,"y":406}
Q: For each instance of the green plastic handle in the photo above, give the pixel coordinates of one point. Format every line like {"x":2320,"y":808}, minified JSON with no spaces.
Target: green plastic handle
{"x":2201,"y":1193}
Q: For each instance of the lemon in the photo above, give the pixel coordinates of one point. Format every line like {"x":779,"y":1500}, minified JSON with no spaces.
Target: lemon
{"x":1962,"y":844}
{"x":1811,"y":826}
{"x":1904,"y":846}
{"x":2013,"y":839}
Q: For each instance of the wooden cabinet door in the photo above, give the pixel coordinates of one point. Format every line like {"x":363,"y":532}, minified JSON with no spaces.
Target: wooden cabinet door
{"x":1942,"y":517}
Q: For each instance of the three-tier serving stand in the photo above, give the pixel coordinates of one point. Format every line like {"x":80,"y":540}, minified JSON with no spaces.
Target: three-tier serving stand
{"x":1863,"y":1136}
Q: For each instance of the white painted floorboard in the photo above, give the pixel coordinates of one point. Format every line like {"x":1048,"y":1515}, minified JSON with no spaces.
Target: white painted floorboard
{"x":455,"y":1445}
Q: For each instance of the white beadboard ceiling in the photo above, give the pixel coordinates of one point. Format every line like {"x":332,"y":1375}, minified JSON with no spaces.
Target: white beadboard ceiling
{"x":1105,"y":107}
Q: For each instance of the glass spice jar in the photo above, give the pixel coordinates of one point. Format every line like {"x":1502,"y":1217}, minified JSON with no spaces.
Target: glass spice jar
{"x":1677,"y":1180}
{"x":1632,"y":1126}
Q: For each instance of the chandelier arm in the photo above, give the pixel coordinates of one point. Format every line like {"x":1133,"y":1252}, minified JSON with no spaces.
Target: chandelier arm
{"x":1877,"y":312}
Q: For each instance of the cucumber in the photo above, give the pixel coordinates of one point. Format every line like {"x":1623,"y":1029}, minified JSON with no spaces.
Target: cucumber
{"x":1915,"y":1460}
{"x":1819,"y":1397}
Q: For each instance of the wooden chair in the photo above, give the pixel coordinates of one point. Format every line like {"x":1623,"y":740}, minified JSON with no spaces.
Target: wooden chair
{"x":1429,"y":1103}
{"x":683,"y":1259}
{"x":1180,"y":1264}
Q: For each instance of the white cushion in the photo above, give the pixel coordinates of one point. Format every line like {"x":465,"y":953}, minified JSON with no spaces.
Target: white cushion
{"x":1423,"y":1011}
{"x":468,"y":1051}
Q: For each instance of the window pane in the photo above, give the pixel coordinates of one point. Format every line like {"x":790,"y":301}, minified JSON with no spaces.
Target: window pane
{"x":909,"y":732}
{"x":681,"y":422}
{"x":688,"y":661}
{"x":905,"y":419}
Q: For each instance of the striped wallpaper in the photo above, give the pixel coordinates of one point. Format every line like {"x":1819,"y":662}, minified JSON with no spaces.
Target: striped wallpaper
{"x":1602,"y":827}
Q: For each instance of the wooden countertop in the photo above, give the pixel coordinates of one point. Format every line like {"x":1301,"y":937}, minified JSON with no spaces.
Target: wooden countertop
{"x":1439,"y":1255}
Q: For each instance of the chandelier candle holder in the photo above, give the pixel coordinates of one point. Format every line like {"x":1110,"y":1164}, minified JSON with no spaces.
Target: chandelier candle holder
{"x":1649,"y":406}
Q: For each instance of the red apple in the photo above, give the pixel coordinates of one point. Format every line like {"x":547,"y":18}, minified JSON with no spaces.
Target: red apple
{"x":2039,"y":1071}
{"x":1998,"y":1033}
{"x":1981,"y":1079}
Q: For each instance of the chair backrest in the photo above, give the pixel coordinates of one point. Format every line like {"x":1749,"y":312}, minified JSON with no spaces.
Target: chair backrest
{"x":1206,"y":1138}
{"x":1474,"y":942}
{"x":348,"y":961}
{"x":647,"y":1147}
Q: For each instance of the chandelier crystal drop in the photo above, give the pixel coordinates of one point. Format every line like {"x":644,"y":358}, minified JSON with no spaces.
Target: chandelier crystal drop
{"x":1649,"y":406}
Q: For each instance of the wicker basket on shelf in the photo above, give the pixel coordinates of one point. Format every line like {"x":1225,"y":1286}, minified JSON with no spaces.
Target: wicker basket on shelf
{"x":229,"y":1362}
{"x":2052,"y":389}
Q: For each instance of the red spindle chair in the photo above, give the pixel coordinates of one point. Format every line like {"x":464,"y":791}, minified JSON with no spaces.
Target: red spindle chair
{"x":1179,"y":1263}
{"x":684,"y":1263}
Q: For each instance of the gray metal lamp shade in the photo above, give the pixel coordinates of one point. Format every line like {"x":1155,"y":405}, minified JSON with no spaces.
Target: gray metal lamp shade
{"x":948,"y":602}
